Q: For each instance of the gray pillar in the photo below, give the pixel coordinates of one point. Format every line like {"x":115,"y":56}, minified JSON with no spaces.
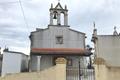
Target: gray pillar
{"x":58,"y":19}
{"x":51,"y":18}
{"x":38,"y":63}
{"x":65,"y":19}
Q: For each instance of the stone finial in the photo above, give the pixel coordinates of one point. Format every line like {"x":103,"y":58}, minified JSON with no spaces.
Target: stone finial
{"x":61,"y":61}
{"x":51,"y":5}
{"x":65,"y":6}
{"x":95,"y":30}
{"x":94,"y":35}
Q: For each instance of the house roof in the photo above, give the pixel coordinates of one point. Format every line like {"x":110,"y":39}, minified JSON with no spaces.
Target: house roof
{"x":63,"y":51}
{"x":76,"y":31}
{"x":41,"y":29}
{"x":15,"y":52}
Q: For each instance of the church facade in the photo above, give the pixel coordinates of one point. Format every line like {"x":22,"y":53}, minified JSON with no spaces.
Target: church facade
{"x":58,"y":40}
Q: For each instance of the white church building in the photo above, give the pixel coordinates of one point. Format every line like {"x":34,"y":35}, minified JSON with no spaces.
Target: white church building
{"x":58,"y":40}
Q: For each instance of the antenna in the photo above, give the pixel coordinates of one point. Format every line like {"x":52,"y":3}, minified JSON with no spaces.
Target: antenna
{"x":58,"y":0}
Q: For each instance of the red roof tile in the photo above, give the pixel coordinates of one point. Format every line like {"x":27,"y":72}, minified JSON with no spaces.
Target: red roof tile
{"x":59,"y":51}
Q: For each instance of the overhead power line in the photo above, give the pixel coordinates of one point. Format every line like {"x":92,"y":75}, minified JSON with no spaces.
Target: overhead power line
{"x":26,"y":23}
{"x":19,"y":1}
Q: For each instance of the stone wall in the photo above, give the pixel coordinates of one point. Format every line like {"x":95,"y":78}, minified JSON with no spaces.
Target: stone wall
{"x":57,"y":72}
{"x":105,"y":72}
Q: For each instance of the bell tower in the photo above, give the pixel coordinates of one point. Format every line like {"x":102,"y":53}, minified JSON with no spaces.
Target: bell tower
{"x":55,"y":15}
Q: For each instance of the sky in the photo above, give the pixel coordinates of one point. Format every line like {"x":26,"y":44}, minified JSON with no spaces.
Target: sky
{"x":15,"y":31}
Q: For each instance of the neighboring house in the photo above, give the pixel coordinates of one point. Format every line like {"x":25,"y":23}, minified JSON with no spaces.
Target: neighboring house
{"x":108,"y":47}
{"x":107,"y":60}
{"x":1,"y":56}
{"x":14,"y":62}
{"x":58,"y":40}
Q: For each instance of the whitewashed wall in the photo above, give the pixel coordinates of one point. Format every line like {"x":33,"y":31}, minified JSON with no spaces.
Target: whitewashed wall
{"x":47,"y":61}
{"x":24,"y":63}
{"x":13,"y":63}
{"x":33,"y":63}
{"x":47,"y":38}
{"x":108,"y":48}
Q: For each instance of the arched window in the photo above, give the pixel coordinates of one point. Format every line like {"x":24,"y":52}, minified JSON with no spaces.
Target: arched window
{"x":55,"y":14}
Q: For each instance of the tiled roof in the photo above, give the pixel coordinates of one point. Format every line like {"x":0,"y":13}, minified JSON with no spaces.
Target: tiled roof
{"x":66,"y":51}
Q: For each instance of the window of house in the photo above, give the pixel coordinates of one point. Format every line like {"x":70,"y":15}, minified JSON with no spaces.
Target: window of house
{"x":59,"y":39}
{"x":69,"y":62}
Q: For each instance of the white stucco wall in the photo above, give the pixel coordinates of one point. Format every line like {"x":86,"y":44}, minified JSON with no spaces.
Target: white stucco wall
{"x":24,"y":63}
{"x":33,"y":63}
{"x":13,"y":63}
{"x":108,"y":48}
{"x":47,"y":38}
{"x":47,"y":61}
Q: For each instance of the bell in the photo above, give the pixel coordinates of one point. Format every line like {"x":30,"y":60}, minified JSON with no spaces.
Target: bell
{"x":55,"y":16}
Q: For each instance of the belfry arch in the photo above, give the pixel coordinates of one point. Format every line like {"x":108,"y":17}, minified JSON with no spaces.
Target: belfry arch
{"x":58,"y":15}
